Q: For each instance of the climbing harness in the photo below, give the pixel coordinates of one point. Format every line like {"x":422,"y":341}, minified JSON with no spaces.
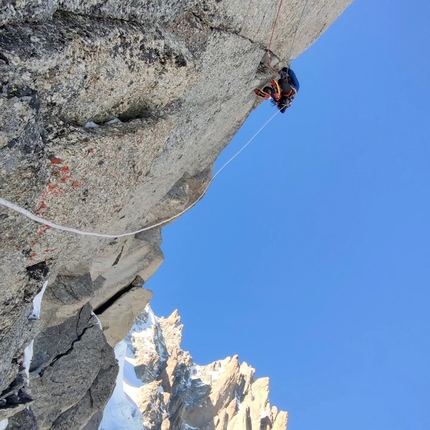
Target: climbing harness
{"x":275,"y":85}
{"x":33,"y":217}
{"x":290,"y":93}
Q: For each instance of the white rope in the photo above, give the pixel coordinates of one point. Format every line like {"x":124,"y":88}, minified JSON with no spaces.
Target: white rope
{"x":33,"y":217}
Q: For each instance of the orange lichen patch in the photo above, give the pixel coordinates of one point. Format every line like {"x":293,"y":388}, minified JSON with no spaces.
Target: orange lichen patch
{"x":64,"y":178}
{"x":32,"y":255}
{"x":54,"y":189}
{"x":91,"y":150}
{"x":50,"y":250}
{"x":42,"y":230}
{"x":42,"y":205}
{"x":63,"y":171}
{"x":76,"y":184}
{"x":56,"y":160}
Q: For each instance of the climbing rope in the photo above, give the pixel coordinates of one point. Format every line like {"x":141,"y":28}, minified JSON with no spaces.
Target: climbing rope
{"x":271,"y":38}
{"x":269,"y":63}
{"x":33,"y":217}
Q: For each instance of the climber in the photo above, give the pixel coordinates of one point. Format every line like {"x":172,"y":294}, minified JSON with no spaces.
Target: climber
{"x":282,"y":91}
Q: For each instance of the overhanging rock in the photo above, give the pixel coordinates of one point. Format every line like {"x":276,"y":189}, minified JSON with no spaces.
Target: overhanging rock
{"x":178,"y":75}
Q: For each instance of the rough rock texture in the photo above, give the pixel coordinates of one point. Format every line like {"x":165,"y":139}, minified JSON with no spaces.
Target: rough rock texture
{"x":118,"y":317}
{"x":179,"y":77}
{"x":73,"y":377}
{"x":23,"y":420}
{"x":178,"y":394}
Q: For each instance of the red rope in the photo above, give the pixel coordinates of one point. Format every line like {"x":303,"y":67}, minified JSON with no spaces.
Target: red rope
{"x":271,"y":37}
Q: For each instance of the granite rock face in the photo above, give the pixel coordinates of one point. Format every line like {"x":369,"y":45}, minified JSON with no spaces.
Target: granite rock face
{"x":177,"y":78}
{"x":172,"y":392}
{"x":72,"y":378}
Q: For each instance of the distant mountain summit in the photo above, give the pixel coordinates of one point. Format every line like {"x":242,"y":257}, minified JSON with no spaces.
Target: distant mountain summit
{"x":172,"y":392}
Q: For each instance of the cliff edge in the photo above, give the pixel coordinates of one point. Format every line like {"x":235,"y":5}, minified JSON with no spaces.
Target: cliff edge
{"x":112,"y":114}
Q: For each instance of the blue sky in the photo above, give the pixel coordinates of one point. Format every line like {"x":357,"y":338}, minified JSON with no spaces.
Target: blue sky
{"x":309,"y":256}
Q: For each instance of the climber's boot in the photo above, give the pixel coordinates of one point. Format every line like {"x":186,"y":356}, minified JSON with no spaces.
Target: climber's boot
{"x":261,"y":93}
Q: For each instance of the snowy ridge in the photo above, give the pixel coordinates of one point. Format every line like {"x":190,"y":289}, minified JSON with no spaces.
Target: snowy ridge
{"x":121,"y":413}
{"x":131,"y":383}
{"x":147,"y":330}
{"x":210,"y":373}
{"x":172,"y":392}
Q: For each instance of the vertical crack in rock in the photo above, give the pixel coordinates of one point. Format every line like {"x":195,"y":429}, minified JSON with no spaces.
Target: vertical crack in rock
{"x":72,"y":347}
{"x":118,"y":257}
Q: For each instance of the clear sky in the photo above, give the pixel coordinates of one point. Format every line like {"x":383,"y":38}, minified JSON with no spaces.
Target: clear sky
{"x":309,"y":256}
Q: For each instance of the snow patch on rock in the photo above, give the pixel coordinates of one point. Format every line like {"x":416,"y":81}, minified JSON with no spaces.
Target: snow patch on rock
{"x":37,"y":303}
{"x":99,"y":323}
{"x":131,"y":383}
{"x":28,"y":356}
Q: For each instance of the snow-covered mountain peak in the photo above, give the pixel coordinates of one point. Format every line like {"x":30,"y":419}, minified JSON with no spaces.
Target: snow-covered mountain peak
{"x":172,"y":392}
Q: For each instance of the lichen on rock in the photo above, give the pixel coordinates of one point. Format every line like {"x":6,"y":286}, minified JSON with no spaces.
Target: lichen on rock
{"x":178,"y":77}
